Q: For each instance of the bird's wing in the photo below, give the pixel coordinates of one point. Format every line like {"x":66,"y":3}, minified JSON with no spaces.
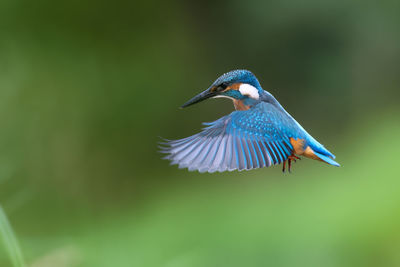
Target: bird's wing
{"x":242,"y":140}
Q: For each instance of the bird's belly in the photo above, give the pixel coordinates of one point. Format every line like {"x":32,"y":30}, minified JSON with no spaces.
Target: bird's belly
{"x":300,"y":148}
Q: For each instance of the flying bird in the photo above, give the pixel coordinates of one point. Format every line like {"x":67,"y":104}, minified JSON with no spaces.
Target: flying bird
{"x":260,"y":133}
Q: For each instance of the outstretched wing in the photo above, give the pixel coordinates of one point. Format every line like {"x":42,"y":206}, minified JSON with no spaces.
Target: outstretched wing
{"x":242,"y":140}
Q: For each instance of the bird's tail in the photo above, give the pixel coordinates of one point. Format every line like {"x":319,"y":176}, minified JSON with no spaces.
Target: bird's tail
{"x":321,"y":152}
{"x":327,"y":159}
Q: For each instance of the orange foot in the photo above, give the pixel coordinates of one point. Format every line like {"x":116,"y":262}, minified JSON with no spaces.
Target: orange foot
{"x":289,"y":160}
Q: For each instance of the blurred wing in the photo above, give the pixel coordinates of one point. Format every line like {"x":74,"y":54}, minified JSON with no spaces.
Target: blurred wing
{"x":242,"y":140}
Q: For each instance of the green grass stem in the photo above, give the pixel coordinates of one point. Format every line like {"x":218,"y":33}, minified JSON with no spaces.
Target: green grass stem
{"x":10,"y":241}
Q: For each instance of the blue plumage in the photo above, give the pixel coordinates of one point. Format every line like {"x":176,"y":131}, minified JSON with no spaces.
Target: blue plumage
{"x":260,"y":133}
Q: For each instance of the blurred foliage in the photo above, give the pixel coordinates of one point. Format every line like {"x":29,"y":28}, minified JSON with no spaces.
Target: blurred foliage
{"x":87,"y":88}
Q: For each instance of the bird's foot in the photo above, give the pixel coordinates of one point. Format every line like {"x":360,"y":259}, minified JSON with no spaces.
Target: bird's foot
{"x":289,"y":161}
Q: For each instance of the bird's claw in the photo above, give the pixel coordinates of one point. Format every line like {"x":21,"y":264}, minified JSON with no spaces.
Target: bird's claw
{"x":289,"y":161}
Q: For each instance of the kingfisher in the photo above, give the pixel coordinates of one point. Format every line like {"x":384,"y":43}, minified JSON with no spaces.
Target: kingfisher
{"x":259,"y":133}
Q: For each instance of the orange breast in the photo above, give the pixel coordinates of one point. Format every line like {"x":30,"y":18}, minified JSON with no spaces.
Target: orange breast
{"x":239,"y":105}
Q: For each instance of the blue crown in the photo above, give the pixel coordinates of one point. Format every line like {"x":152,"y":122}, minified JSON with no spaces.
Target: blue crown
{"x":238,"y":76}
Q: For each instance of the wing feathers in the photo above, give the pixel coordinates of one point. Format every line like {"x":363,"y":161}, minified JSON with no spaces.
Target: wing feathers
{"x":243,"y":140}
{"x":272,"y":153}
{"x":240,"y":155}
{"x":248,"y":162}
{"x":256,"y":161}
{"x":227,"y":152}
{"x":280,"y":151}
{"x":253,"y":163}
{"x":210,"y":157}
{"x":264,"y":152}
{"x":257,"y":149}
{"x":219,"y":155}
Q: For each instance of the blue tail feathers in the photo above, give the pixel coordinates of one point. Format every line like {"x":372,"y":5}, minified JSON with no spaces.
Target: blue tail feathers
{"x":327,"y":159}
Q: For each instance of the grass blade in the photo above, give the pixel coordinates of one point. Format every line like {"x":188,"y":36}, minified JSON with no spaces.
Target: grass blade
{"x":10,"y":241}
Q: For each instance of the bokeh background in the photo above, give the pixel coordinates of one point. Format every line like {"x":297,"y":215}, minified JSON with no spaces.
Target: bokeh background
{"x":87,"y":88}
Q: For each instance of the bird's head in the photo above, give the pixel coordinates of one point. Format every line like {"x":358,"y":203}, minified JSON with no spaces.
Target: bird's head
{"x":239,"y":85}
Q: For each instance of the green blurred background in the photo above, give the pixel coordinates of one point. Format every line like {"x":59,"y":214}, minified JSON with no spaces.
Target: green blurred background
{"x":87,"y":88}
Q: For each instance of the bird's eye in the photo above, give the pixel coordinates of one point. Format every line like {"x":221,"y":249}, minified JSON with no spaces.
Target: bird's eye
{"x":223,"y":86}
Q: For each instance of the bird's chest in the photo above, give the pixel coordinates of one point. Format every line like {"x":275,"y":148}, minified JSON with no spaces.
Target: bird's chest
{"x":245,"y":103}
{"x":240,"y":105}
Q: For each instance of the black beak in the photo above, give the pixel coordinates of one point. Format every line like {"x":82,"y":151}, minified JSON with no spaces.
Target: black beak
{"x":200,"y":97}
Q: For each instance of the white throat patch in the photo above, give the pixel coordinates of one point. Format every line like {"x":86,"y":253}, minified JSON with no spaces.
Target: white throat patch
{"x":249,"y":90}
